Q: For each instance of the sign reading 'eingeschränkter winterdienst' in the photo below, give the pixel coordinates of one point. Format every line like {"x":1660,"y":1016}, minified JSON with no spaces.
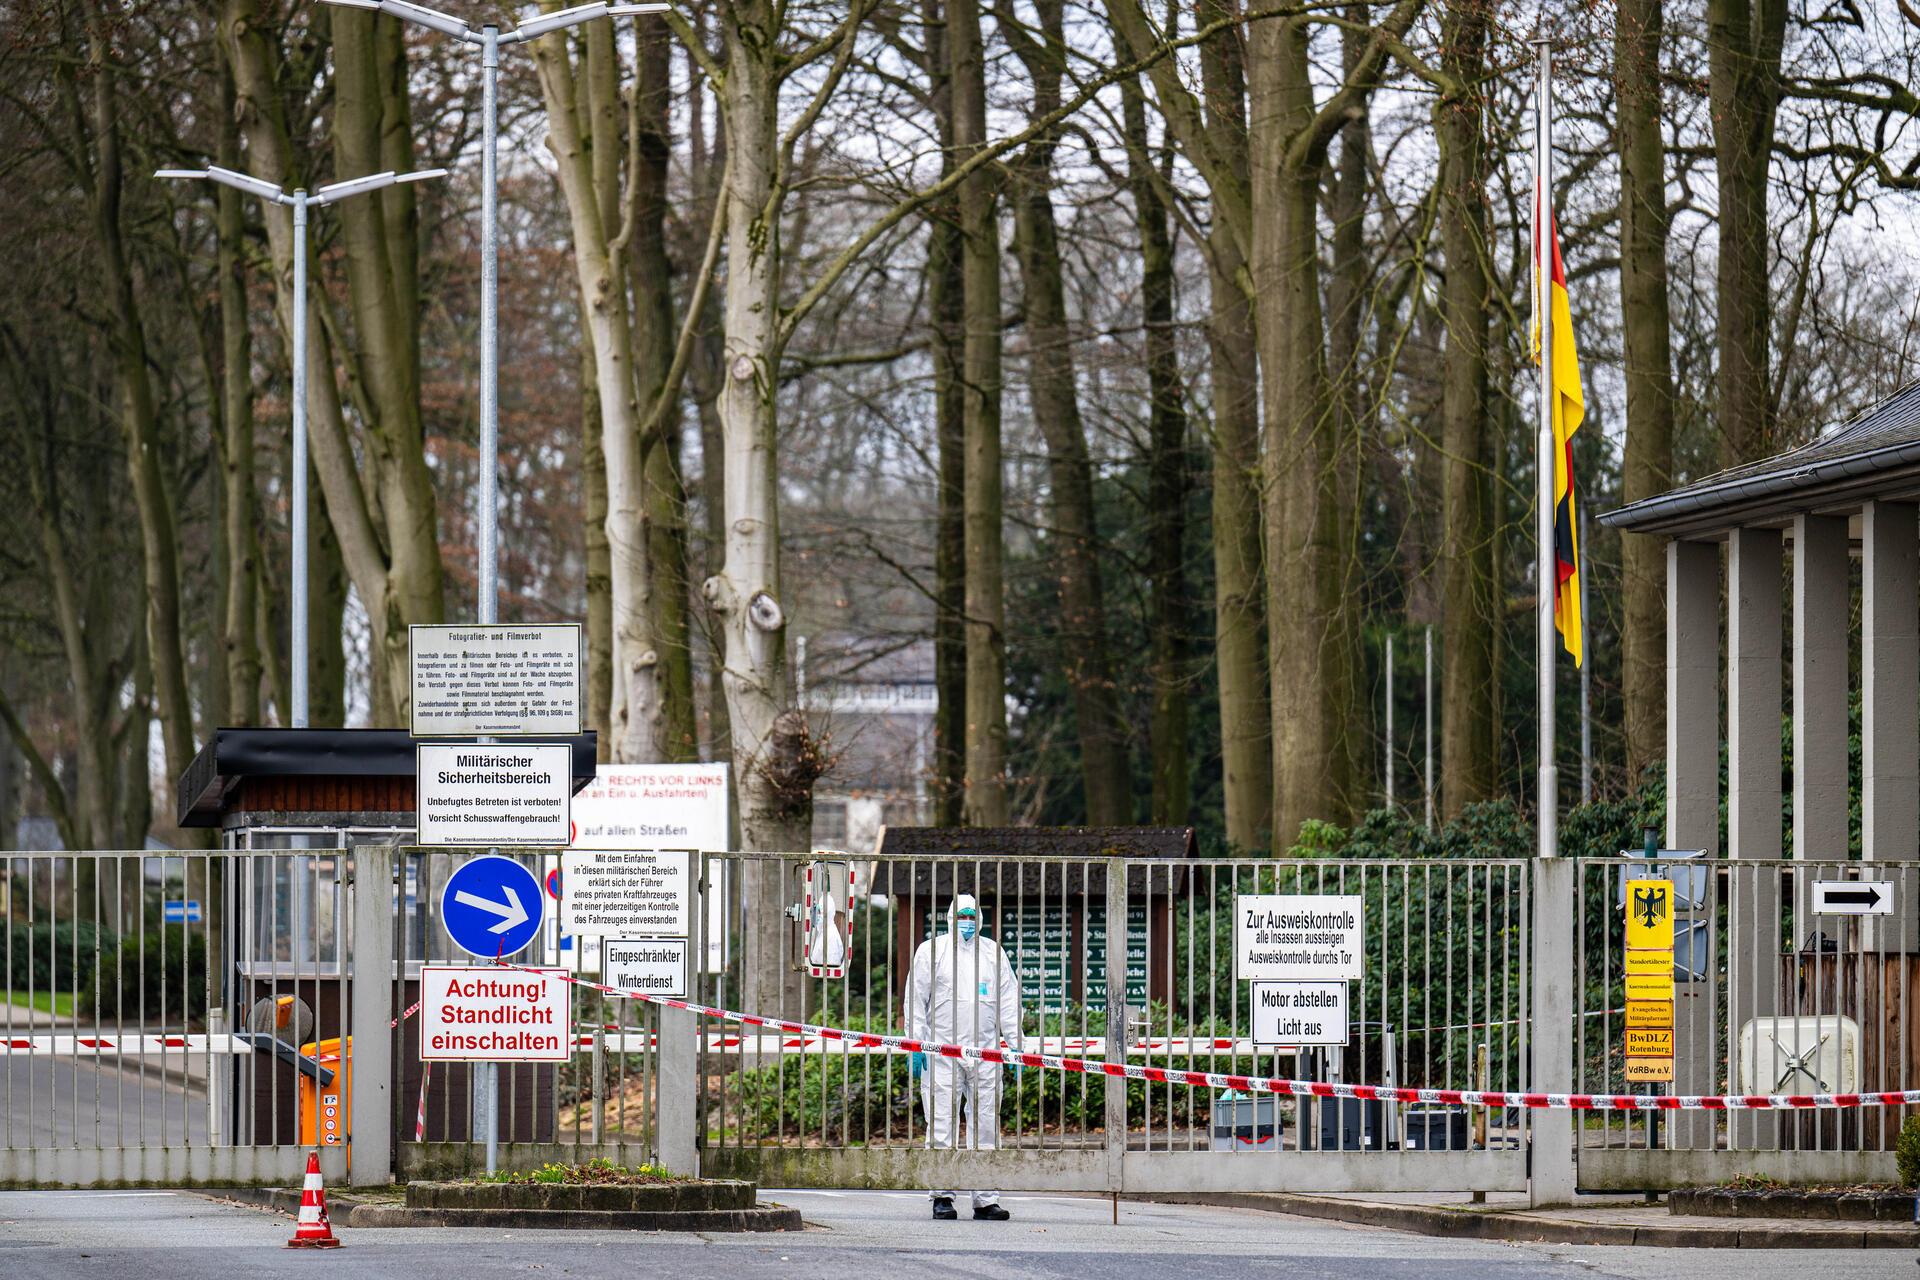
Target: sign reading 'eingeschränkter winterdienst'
{"x":651,"y":966}
{"x":626,"y":893}
{"x":1297,"y":937}
{"x":493,"y":1015}
{"x":493,"y":795}
{"x":495,"y":681}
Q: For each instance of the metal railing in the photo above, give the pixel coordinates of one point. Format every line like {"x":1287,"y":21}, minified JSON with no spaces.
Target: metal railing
{"x":1770,"y":997}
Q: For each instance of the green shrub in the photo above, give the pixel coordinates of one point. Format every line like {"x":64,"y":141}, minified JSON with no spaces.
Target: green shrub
{"x":44,"y":956}
{"x":161,"y":977}
{"x":1906,"y":1152}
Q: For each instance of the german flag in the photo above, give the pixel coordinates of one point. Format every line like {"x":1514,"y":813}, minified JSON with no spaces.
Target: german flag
{"x":1569,"y":407}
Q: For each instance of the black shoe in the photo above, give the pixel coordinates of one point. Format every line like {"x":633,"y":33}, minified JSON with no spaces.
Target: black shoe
{"x":943,"y":1210}
{"x":991,"y":1213}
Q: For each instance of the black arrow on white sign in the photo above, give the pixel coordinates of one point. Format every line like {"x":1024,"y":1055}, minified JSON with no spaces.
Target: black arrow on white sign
{"x":1852,"y":898}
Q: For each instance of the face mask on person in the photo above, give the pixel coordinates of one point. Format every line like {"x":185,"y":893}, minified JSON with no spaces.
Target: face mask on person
{"x":968,"y":926}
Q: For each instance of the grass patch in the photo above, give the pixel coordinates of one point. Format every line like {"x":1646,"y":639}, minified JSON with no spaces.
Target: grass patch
{"x":58,"y":1003}
{"x":590,"y":1173}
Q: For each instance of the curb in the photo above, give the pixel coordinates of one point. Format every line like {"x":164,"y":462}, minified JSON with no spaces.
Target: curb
{"x":347,"y":1210}
{"x":771,"y":1217}
{"x":1527,"y":1228}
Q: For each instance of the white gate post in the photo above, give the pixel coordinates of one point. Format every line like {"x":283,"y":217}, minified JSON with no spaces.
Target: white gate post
{"x":370,"y":1159}
{"x":1116,"y":1086}
{"x":1550,"y":1172}
{"x":677,"y":1109}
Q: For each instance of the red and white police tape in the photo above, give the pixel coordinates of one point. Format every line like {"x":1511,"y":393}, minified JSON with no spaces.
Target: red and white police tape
{"x":1262,"y":1084}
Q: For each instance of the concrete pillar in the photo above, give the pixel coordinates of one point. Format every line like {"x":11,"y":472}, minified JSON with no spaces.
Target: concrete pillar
{"x":1755,"y":559}
{"x":1822,"y":600}
{"x":1693,"y":798}
{"x":1890,"y":705}
{"x":1551,"y":1172}
{"x":677,"y":1109}
{"x":372,"y":1011}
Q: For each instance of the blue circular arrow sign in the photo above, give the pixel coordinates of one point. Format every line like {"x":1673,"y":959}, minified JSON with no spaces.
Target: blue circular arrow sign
{"x":492,"y":907}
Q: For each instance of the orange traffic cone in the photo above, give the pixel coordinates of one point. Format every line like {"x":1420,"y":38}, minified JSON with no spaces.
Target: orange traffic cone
{"x":314,"y":1230}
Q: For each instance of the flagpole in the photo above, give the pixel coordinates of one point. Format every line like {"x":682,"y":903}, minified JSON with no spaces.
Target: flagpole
{"x":1548,"y":799}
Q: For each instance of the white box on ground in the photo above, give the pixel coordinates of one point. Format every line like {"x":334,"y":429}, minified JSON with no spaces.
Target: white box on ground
{"x":1299,"y":1013}
{"x":493,"y":1015}
{"x":493,"y":795}
{"x":652,"y":966}
{"x":626,"y":893}
{"x":1298,"y":937}
{"x":515,"y":681}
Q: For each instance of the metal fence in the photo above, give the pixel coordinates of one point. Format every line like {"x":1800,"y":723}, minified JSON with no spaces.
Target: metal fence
{"x":1441,"y":1004}
{"x":1771,"y":997}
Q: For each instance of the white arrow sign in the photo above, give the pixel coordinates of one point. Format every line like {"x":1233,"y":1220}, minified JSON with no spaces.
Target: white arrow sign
{"x":511,"y":912}
{"x":1852,"y":898}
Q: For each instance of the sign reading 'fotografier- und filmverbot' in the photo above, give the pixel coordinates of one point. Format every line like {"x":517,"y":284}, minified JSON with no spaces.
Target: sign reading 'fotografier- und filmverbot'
{"x":1297,"y":937}
{"x":492,"y":1015}
{"x":512,"y":681}
{"x":494,"y":795}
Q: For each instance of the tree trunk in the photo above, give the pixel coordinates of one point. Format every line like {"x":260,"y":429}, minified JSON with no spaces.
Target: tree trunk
{"x":1239,"y":623}
{"x":599,"y":569}
{"x":1744,"y":41}
{"x":139,"y":421}
{"x":1309,"y":622}
{"x":378,"y":235}
{"x":1647,"y":461}
{"x":238,"y":511}
{"x":775,"y":761}
{"x":654,"y":334}
{"x":986,"y":784}
{"x":945,"y":308}
{"x":1166,"y":475}
{"x":638,"y":710}
{"x":1075,"y":542}
{"x":1471,"y":593}
{"x":326,"y":619}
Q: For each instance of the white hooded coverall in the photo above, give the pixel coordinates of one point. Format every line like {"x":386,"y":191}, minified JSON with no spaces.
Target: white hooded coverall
{"x":963,"y":993}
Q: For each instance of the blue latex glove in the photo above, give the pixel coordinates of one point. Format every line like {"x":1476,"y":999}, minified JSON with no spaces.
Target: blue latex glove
{"x":917,"y":1063}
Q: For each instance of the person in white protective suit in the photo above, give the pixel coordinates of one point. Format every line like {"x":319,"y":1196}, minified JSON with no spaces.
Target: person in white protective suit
{"x":963,"y":991}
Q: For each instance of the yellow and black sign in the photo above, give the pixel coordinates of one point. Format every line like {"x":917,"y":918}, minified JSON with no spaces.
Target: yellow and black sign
{"x":1649,"y":1070}
{"x":1650,"y":1043}
{"x":1652,"y":961}
{"x":1651,"y":986}
{"x":1650,"y":916}
{"x":1645,"y":1015}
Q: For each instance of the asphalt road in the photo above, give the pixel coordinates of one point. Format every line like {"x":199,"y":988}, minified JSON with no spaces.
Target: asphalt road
{"x":48,"y":1101}
{"x":159,"y":1235}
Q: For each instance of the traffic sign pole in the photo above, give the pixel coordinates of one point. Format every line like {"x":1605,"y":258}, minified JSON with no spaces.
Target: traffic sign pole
{"x":491,"y":908}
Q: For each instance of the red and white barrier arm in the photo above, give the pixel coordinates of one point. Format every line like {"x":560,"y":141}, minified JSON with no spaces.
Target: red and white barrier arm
{"x":1262,"y":1084}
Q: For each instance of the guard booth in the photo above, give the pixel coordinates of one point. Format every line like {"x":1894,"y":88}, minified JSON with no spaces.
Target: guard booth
{"x":301,"y":801}
{"x":1036,"y":887}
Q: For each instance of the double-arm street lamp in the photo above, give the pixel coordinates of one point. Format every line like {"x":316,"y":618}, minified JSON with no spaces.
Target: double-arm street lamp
{"x":300,"y":200}
{"x":490,"y":39}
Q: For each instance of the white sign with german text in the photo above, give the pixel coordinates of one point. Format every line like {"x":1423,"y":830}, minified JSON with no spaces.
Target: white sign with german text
{"x":485,"y":796}
{"x":626,"y":893}
{"x":651,"y":966}
{"x":493,"y":1015}
{"x":1298,"y":937}
{"x":1299,"y":1013}
{"x":514,"y":681}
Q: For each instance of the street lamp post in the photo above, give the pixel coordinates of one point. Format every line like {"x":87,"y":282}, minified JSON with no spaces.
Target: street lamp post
{"x":489,"y":38}
{"x":299,"y":200}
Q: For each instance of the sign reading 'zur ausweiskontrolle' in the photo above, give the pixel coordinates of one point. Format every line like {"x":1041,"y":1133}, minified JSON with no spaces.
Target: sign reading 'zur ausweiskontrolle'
{"x":494,"y":795}
{"x":1297,"y":937}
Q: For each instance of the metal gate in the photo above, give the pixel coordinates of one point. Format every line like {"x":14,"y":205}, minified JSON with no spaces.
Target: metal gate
{"x":1771,"y":997}
{"x":1442,"y":1004}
